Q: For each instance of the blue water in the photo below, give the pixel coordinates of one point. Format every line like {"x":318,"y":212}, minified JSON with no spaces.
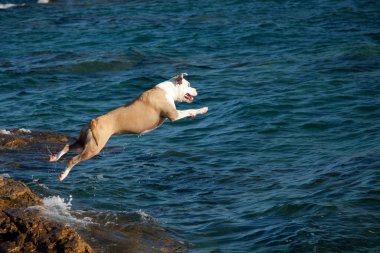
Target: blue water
{"x":286,"y":160}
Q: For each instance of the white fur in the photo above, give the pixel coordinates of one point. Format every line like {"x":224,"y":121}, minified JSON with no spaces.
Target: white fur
{"x":170,"y":91}
{"x":176,"y":92}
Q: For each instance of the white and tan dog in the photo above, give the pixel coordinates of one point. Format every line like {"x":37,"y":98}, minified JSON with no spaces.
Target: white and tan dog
{"x":144,"y":114}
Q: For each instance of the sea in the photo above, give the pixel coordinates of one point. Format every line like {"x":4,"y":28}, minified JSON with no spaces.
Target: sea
{"x":287,"y":159}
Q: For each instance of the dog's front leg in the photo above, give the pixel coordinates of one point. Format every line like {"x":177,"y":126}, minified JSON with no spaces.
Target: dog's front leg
{"x":190,"y":113}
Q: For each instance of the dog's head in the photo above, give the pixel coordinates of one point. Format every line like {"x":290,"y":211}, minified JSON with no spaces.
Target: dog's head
{"x":185,"y":93}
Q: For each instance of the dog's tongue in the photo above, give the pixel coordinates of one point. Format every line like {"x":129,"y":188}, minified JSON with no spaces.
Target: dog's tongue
{"x":189,"y":97}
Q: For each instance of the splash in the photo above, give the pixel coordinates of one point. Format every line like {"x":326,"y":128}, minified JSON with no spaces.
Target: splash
{"x":56,"y":206}
{"x":59,"y":209}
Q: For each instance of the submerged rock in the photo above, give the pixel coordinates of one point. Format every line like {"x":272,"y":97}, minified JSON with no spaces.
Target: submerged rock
{"x":24,"y":229}
{"x":26,"y":139}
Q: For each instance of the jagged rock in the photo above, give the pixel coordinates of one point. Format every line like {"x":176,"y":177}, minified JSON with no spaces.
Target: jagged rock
{"x":25,"y":229}
{"x":15,"y":194}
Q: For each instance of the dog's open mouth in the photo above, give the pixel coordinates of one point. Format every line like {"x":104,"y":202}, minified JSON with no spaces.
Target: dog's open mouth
{"x":189,"y":97}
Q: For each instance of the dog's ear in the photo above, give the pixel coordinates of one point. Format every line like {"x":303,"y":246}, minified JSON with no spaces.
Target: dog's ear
{"x":179,"y":78}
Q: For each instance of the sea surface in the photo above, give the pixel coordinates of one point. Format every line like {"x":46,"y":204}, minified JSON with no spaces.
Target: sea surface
{"x":286,"y":160}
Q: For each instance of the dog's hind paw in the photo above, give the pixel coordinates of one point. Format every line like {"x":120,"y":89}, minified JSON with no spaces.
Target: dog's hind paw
{"x":62,"y":176}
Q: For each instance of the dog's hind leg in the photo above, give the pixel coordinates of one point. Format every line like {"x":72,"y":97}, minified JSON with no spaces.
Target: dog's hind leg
{"x":76,"y":146}
{"x":70,"y":165}
{"x":90,"y":150}
{"x":85,"y":155}
{"x":76,"y":159}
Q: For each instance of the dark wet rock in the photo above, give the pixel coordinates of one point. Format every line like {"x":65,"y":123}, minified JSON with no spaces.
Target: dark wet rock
{"x":110,"y":232}
{"x":24,"y":229}
{"x":22,"y":139}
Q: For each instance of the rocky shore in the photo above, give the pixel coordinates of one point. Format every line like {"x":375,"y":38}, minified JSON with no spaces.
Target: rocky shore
{"x":24,"y":229}
{"x":26,"y":226}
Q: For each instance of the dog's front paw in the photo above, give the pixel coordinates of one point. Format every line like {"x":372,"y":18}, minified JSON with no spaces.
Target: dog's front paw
{"x":52,"y":158}
{"x":202,"y":110}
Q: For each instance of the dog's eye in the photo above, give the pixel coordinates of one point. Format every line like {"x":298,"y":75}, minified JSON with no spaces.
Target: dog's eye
{"x":188,"y":85}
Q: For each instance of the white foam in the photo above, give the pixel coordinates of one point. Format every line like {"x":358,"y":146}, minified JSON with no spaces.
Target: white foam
{"x":145,"y":217}
{"x":4,"y":131}
{"x":7,"y":6}
{"x":23,"y":130}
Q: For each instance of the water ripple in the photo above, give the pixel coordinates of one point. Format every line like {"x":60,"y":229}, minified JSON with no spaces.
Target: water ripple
{"x":286,"y":159}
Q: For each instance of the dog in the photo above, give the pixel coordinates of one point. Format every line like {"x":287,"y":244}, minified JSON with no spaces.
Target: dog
{"x":144,"y":114}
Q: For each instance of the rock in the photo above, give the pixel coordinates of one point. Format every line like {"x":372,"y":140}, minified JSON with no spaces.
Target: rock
{"x":14,"y":194}
{"x":24,"y":228}
{"x":27,"y":231}
{"x":21,"y":139}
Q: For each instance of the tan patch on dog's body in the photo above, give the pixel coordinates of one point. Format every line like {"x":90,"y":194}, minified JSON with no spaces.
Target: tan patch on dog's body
{"x":144,"y":114}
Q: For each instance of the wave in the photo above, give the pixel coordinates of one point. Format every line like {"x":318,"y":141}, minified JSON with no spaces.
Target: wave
{"x":98,"y":66}
{"x":8,"y":6}
{"x":5,"y":131}
{"x":15,"y":131}
{"x":11,"y":5}
{"x":45,"y":62}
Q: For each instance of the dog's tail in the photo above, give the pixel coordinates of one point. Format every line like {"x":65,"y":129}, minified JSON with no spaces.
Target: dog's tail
{"x":93,"y":125}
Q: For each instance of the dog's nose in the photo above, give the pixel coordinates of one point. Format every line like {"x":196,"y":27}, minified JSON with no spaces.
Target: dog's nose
{"x":195,"y":92}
